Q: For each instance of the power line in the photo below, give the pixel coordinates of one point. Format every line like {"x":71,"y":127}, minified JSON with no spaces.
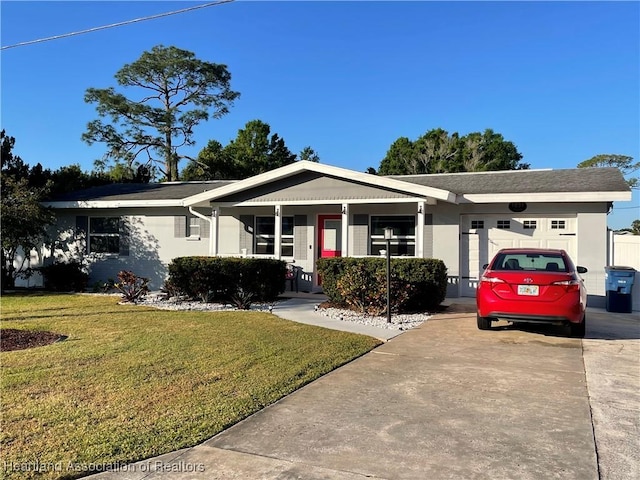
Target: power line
{"x":119,"y":24}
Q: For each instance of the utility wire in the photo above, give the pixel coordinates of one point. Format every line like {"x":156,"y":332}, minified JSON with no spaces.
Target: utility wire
{"x":119,"y":24}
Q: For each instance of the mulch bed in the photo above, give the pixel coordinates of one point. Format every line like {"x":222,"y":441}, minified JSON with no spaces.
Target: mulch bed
{"x":14,"y":339}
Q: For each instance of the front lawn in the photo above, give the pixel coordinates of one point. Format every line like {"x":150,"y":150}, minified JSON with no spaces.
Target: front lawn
{"x":134,"y":382}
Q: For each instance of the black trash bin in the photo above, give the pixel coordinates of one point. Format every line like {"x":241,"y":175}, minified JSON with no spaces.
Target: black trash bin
{"x":619,"y":286}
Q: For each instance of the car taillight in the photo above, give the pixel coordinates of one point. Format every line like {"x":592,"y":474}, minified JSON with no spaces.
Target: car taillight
{"x":570,"y":285}
{"x":491,"y":280}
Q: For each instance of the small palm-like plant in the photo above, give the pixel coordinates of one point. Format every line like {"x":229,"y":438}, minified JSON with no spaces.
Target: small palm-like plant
{"x":242,"y":299}
{"x":132,"y":287}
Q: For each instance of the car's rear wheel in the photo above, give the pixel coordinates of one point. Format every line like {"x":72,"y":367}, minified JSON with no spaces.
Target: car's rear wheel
{"x":578,"y":330}
{"x":484,"y":323}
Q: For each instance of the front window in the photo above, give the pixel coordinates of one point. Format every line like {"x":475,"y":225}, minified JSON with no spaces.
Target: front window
{"x":104,"y":235}
{"x":265,"y":236}
{"x":404,"y":234}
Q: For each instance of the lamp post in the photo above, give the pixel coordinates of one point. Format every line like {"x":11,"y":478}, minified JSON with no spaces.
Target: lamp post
{"x":388,"y":235}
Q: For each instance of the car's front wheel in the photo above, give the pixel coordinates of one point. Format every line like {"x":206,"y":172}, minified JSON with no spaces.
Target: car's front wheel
{"x":484,"y":323}
{"x":578,"y":330}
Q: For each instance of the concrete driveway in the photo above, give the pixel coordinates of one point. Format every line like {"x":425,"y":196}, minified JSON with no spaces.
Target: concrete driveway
{"x":445,"y":401}
{"x":611,"y":352}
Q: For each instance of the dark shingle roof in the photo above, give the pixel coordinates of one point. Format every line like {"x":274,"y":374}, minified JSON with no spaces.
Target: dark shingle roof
{"x":142,"y":191}
{"x":512,"y":181}
{"x":524,"y":181}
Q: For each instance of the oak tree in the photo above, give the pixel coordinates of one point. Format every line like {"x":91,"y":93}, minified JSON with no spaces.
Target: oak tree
{"x":437,"y":151}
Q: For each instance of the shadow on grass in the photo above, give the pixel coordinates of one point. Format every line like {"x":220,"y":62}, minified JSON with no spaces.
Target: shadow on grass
{"x":80,"y":314}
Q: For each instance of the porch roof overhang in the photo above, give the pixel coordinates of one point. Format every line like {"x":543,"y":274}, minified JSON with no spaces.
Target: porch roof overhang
{"x":413,"y":192}
{"x":333,"y":201}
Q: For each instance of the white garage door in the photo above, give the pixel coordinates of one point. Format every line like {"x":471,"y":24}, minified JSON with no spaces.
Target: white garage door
{"x":483,"y":235}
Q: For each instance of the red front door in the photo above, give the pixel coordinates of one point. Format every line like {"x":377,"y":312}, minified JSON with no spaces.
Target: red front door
{"x":330,"y":235}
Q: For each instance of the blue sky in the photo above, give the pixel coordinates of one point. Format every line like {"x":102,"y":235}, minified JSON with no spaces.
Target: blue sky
{"x":561,"y":80}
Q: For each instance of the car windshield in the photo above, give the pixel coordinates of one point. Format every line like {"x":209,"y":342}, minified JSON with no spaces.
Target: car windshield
{"x":542,"y":262}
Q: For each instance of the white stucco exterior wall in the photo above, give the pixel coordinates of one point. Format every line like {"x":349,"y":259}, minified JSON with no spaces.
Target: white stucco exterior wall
{"x":152,"y":245}
{"x":446,"y":243}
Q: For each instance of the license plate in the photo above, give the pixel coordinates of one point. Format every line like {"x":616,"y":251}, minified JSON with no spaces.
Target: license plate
{"x":530,"y":290}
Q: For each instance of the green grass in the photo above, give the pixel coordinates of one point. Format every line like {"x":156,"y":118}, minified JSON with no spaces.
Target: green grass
{"x":133,"y":382}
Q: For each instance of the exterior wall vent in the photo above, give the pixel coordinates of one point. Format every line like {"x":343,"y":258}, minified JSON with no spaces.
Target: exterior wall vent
{"x":517,"y":206}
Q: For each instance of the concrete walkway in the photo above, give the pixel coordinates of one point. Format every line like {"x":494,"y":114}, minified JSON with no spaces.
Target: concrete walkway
{"x":301,"y":308}
{"x":444,"y":401}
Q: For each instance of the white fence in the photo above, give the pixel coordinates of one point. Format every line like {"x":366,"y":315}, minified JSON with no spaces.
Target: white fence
{"x":624,"y":251}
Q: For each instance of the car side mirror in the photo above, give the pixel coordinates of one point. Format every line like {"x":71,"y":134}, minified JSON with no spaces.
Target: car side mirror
{"x":484,"y":267}
{"x":581,"y":269}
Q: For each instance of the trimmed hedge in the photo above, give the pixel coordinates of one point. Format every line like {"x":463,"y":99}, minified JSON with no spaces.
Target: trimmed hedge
{"x":227,"y":279}
{"x":64,"y":277}
{"x":420,"y":284}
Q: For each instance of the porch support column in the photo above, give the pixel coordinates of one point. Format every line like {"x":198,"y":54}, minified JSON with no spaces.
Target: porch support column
{"x":420,"y":230}
{"x":213,"y":230}
{"x":277,"y":237}
{"x":345,"y":229}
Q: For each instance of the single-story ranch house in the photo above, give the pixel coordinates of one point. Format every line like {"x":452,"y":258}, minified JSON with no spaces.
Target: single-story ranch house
{"x":308,"y":210}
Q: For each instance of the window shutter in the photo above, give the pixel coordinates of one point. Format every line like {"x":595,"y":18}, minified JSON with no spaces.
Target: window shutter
{"x":180,"y":226}
{"x":205,"y":228}
{"x":246,"y":233}
{"x":360,"y":234}
{"x":82,"y":227}
{"x":300,"y":237}
{"x":124,"y":237}
{"x":427,"y":241}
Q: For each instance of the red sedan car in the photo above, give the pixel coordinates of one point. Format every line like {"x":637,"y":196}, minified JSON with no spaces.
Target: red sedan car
{"x":532,"y":286}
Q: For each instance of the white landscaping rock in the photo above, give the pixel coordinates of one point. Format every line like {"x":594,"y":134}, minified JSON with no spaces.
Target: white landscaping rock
{"x":398,"y":321}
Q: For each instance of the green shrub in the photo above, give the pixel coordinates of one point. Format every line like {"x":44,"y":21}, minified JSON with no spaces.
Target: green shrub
{"x":64,"y":277}
{"x":229,"y":280}
{"x":428,"y":276}
{"x":364,"y":288}
{"x":360,"y":283}
{"x":330,"y":270}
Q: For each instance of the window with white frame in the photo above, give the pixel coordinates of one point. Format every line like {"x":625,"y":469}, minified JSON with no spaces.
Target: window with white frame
{"x":504,"y":224}
{"x":194,"y":227}
{"x":558,"y":224}
{"x":264,"y":237}
{"x":286,"y":239}
{"x":530,"y":224}
{"x":404,"y":234}
{"x":104,"y":235}
{"x":477,"y":224}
